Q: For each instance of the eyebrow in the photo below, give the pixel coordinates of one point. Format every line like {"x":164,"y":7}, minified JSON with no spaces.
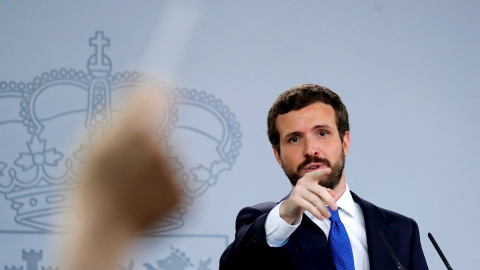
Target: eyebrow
{"x":322,"y":126}
{"x":290,"y":134}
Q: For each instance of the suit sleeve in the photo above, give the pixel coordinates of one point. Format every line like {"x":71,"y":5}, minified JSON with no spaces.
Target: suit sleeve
{"x":249,"y":250}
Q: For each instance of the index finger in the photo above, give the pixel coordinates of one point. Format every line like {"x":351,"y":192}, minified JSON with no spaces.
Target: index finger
{"x":318,"y":175}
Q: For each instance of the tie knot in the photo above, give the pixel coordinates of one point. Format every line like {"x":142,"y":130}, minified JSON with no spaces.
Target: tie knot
{"x":335,"y":216}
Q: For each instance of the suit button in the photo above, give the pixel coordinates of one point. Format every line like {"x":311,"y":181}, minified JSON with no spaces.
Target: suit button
{"x":252,"y":241}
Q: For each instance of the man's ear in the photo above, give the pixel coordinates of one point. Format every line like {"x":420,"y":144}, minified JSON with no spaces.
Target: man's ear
{"x":346,"y":142}
{"x":277,"y":155}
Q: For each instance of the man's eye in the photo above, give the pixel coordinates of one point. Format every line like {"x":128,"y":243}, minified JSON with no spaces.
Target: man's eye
{"x":293,"y":139}
{"x":322,"y":133}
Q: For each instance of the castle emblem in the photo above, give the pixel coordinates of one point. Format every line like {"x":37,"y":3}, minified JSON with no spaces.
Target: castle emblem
{"x":176,"y":260}
{"x":40,"y":158}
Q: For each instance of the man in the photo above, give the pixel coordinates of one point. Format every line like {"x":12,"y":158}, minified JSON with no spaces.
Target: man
{"x":309,"y":131}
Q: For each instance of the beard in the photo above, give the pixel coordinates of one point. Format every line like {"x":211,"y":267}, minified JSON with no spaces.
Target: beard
{"x":331,"y":181}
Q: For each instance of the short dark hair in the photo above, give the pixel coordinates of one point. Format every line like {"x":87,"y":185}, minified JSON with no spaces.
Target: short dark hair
{"x":301,"y":96}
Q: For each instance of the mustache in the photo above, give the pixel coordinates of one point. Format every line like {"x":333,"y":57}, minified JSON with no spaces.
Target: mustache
{"x":313,"y":159}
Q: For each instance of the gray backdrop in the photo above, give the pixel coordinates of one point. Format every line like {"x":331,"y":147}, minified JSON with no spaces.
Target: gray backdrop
{"x":408,"y":72}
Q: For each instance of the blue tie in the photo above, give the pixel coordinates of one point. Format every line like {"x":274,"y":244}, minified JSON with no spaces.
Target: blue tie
{"x":340,"y":243}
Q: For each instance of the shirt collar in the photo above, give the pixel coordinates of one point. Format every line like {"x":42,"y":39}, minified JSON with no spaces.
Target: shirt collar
{"x":346,"y":203}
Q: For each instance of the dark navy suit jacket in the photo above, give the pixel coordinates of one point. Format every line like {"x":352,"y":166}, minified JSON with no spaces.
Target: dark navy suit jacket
{"x":307,"y":247}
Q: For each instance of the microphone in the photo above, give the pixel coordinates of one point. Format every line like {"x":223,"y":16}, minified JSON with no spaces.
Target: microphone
{"x":392,"y":254}
{"x":439,"y":251}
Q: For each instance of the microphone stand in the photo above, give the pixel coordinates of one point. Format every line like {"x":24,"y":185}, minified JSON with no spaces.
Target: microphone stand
{"x":439,"y":251}
{"x":392,"y":254}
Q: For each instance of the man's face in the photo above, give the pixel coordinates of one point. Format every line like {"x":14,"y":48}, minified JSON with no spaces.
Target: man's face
{"x":309,"y":140}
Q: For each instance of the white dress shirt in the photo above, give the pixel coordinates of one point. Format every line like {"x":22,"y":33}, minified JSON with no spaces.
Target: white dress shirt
{"x":278,"y":231}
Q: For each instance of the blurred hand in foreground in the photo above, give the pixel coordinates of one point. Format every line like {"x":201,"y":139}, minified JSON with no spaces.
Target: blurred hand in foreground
{"x":127,"y":185}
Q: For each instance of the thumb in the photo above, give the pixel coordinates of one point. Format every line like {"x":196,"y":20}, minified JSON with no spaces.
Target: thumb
{"x":331,"y":192}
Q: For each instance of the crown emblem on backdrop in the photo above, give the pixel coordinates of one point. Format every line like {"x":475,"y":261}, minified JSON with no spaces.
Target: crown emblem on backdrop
{"x":38,"y":164}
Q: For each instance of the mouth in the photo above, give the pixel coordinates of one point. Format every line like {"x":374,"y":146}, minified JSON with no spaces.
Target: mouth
{"x":313,"y":166}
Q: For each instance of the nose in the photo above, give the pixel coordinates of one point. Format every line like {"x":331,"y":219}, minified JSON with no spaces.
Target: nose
{"x":310,"y":148}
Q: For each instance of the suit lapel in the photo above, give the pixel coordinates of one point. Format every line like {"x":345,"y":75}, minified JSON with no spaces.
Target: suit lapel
{"x":374,"y":224}
{"x":312,"y":245}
